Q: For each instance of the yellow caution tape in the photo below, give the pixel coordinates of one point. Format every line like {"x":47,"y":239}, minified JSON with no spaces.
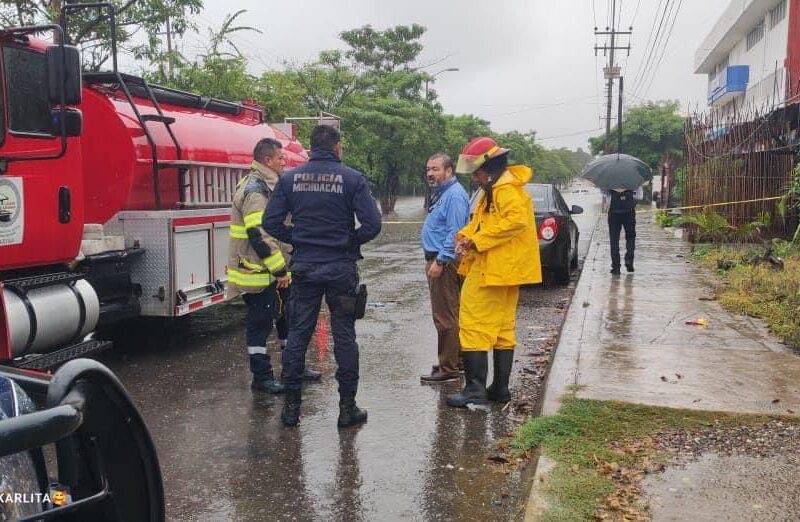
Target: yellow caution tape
{"x":722,"y":204}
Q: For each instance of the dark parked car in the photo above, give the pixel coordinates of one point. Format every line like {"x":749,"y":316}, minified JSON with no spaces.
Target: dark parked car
{"x":558,"y":233}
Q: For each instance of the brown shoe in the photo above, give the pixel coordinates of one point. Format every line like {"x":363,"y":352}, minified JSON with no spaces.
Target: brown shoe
{"x":435,"y":368}
{"x":440,"y":376}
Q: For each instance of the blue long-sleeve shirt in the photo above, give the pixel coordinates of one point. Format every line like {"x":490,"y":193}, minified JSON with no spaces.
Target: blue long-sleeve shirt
{"x":449,"y":213}
{"x":324,"y":198}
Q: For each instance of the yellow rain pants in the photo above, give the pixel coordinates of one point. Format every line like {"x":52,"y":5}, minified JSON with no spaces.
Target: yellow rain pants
{"x":487,"y":315}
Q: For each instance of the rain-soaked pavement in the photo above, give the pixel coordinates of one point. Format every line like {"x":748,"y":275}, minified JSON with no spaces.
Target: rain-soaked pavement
{"x":225,"y":456}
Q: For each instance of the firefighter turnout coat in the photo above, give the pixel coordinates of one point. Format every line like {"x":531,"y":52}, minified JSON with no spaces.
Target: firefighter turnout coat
{"x":255,"y":258}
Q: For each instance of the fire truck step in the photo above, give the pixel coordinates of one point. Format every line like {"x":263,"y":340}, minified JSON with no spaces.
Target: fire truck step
{"x":52,"y":360}
{"x":25,"y":284}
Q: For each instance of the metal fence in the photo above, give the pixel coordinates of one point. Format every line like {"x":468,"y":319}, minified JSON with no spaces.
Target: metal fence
{"x":741,"y":162}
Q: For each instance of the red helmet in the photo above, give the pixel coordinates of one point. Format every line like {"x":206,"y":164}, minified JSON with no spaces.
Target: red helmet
{"x":476,"y":153}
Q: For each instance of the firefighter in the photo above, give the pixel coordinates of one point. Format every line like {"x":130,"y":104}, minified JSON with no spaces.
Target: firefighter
{"x":256,"y":265}
{"x":500,"y":252}
{"x":323,"y":197}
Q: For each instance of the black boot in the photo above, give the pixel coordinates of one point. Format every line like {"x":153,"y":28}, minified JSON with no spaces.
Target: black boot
{"x":476,"y":365}
{"x":263,"y":378}
{"x":291,"y":408}
{"x":498,"y":391}
{"x":349,"y":413}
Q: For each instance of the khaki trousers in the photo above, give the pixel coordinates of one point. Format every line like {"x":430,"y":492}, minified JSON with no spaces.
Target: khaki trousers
{"x":445,"y":291}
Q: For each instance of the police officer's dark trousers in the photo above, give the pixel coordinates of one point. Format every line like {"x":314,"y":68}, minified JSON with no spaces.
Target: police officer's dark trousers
{"x":258,"y":325}
{"x":616,"y":222}
{"x":310,"y":283}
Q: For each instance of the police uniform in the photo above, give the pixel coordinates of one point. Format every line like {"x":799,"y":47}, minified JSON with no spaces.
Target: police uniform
{"x":255,"y":261}
{"x":324,"y":197}
{"x":622,"y":214}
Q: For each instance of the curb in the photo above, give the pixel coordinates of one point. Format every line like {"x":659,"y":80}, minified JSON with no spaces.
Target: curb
{"x":536,"y":504}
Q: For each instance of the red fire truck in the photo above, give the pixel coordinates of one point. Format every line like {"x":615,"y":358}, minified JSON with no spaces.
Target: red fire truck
{"x":114,"y":198}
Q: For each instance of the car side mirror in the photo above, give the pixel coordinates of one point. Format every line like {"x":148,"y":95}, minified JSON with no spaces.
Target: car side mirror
{"x":576,"y":210}
{"x":63,"y":74}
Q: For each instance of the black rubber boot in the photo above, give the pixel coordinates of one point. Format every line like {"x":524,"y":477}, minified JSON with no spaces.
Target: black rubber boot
{"x":349,"y":413}
{"x":476,"y":366}
{"x":498,"y":391}
{"x":291,"y":408}
{"x":267,"y":386}
{"x":263,"y":378}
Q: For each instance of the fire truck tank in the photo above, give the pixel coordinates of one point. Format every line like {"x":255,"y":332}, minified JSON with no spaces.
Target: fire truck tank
{"x":118,"y":157}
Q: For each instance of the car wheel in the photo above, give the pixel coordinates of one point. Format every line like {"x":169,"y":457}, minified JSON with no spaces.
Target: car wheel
{"x":574,"y":262}
{"x":563,"y":271}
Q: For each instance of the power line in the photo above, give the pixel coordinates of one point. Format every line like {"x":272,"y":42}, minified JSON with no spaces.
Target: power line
{"x":568,"y":135}
{"x":663,"y":50}
{"x":659,"y":35}
{"x":649,"y":39}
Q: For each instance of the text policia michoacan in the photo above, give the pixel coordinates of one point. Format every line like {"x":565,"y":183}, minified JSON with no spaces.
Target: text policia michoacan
{"x":311,"y":182}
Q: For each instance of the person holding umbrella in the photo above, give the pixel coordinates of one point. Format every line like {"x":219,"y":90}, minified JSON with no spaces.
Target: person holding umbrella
{"x":622,"y":214}
{"x":620,"y":177}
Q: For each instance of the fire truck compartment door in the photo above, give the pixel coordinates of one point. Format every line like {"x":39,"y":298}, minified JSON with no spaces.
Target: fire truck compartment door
{"x":192,"y":258}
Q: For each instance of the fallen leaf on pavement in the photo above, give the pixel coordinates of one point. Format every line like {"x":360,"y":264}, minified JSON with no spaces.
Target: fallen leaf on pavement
{"x":679,"y":376}
{"x":663,"y":378}
{"x":775,"y":401}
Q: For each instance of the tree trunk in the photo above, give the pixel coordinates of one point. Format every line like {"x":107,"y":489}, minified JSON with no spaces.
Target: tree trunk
{"x":389,"y":189}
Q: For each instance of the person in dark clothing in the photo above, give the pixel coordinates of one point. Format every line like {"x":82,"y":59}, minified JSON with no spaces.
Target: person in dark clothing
{"x":324,"y":198}
{"x":622,"y":214}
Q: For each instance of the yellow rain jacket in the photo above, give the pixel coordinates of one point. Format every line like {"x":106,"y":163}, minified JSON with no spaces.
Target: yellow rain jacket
{"x":507,"y":256}
{"x":255,"y":259}
{"x":505,"y":235}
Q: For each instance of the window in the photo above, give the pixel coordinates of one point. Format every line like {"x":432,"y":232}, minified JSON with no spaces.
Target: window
{"x":721,"y":66}
{"x":755,"y":35}
{"x":26,"y":88}
{"x":777,"y":13}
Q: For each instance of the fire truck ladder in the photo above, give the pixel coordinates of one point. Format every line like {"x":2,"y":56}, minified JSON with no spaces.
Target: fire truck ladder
{"x":125,"y":82}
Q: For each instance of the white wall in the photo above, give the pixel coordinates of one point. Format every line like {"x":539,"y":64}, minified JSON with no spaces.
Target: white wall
{"x":766,"y":62}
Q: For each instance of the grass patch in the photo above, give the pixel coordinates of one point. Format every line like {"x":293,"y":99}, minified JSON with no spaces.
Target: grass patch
{"x":758,"y":290}
{"x":601,"y":449}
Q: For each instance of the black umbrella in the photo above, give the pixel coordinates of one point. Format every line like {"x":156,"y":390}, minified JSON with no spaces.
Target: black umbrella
{"x":617,"y":171}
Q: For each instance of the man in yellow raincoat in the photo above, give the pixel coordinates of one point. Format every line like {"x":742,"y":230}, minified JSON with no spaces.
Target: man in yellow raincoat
{"x":500,"y":251}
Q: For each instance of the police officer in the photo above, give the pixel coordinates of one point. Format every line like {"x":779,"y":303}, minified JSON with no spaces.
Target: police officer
{"x":256,"y":266}
{"x":622,"y":214}
{"x":324,"y":197}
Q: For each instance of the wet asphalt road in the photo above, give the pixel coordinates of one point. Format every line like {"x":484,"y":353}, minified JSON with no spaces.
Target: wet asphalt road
{"x":225,"y":456}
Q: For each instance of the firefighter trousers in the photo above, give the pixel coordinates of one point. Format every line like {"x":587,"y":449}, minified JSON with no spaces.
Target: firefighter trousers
{"x":258,"y":325}
{"x":310,"y":283}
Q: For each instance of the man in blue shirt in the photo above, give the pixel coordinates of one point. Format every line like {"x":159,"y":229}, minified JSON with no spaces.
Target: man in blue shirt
{"x":324,"y":198}
{"x":448,"y":213}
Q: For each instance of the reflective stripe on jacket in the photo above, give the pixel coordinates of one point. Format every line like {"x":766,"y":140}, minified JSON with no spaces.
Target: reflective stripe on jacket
{"x":254,"y":258}
{"x":507,"y":246}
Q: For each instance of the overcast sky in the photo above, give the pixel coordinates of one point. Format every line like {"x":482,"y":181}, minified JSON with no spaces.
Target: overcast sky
{"x":523,"y":64}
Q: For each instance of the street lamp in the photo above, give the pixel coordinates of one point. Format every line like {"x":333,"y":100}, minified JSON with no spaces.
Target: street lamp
{"x":434,"y":75}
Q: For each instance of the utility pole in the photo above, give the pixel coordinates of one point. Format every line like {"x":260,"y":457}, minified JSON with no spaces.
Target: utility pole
{"x":611,"y":72}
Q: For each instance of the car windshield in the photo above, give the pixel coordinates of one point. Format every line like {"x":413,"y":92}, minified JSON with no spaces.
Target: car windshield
{"x":542,"y":201}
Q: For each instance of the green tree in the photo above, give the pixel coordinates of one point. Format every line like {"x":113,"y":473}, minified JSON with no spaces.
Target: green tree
{"x":648,"y":132}
{"x":140,"y":24}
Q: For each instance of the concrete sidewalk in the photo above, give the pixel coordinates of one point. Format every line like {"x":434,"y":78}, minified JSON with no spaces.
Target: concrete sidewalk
{"x":626,"y":338}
